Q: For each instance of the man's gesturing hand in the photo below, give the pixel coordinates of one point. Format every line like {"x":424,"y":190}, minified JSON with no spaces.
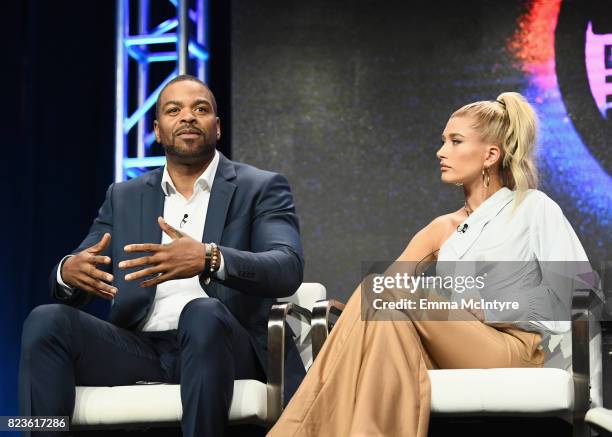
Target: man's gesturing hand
{"x":182,"y":258}
{"x":80,"y":270}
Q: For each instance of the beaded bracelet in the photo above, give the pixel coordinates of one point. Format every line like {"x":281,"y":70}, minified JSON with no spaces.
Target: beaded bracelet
{"x":212,"y":261}
{"x":215,"y":259}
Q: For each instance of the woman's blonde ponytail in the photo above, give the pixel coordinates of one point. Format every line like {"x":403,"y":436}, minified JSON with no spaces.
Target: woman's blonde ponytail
{"x":519,"y":142}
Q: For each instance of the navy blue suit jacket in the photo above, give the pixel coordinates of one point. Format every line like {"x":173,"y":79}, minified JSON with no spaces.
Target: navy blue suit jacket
{"x":251,"y":216}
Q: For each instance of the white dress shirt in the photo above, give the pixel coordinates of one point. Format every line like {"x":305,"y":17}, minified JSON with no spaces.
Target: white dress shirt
{"x":188,"y":216}
{"x":172,"y":296}
{"x":527,"y":238}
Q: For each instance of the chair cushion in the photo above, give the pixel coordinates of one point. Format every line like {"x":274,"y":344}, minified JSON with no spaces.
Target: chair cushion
{"x":511,"y":391}
{"x":457,"y":391}
{"x":602,"y":417}
{"x":160,"y":403}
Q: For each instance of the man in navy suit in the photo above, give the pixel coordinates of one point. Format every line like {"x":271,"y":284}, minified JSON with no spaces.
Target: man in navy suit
{"x":193,"y":256}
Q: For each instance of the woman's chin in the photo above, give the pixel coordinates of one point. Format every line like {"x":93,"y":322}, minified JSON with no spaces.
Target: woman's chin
{"x":447,"y":179}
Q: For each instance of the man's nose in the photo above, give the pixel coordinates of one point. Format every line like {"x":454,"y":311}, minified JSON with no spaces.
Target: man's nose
{"x":187,"y":116}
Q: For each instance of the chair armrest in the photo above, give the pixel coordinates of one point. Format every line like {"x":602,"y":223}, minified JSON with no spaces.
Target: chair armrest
{"x":276,"y":354}
{"x":582,"y":303}
{"x":321,"y":326}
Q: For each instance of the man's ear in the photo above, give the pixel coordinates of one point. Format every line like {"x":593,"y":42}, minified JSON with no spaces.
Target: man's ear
{"x":218,"y":128}
{"x":156,"y":130}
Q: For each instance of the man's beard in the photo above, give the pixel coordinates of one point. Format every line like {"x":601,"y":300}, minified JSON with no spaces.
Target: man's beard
{"x":190,"y":154}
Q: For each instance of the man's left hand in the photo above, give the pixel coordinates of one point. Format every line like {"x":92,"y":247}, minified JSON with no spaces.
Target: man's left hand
{"x":182,"y":258}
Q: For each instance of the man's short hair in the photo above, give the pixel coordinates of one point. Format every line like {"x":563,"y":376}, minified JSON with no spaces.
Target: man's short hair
{"x":181,"y":78}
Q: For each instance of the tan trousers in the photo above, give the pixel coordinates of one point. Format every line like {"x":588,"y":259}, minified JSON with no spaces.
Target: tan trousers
{"x":371,"y":378}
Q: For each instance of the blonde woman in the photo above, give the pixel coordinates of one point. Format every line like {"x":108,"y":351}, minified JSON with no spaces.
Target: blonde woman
{"x":371,"y":378}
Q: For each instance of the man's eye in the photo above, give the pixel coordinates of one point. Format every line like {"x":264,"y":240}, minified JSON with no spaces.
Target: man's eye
{"x":202,"y":109}
{"x":172,"y":110}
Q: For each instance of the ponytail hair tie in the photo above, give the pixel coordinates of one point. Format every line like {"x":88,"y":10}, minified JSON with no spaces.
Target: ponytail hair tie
{"x":501,"y":103}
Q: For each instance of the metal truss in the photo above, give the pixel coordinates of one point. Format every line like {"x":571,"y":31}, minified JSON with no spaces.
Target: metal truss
{"x":185,"y":34}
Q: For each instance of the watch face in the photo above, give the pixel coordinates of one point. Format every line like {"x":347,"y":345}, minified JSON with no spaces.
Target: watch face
{"x":564,"y":49}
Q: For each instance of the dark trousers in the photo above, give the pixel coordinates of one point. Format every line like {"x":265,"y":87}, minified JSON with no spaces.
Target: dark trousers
{"x":63,"y":347}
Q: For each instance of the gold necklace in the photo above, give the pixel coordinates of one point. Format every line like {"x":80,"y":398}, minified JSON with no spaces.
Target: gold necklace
{"x":467,"y":208}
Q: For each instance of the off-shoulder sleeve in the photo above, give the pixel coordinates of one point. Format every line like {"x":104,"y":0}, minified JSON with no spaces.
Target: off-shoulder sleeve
{"x":552,"y":237}
{"x":563,"y":262}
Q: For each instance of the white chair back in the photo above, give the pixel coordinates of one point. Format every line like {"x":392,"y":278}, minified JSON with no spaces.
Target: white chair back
{"x":559,"y":355}
{"x":305,"y":296}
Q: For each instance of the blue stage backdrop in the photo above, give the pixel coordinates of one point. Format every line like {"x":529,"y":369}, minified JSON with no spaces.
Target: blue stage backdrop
{"x":58,"y":82}
{"x":349,"y":99}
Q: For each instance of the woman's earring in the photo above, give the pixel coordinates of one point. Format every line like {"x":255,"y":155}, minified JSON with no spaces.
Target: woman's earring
{"x":486,"y":177}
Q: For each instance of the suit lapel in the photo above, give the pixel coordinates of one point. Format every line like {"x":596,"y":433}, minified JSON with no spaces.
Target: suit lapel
{"x":152,"y":206}
{"x":218,"y":205}
{"x":220,"y":199}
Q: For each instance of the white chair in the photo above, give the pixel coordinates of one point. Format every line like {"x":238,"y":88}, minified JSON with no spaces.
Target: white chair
{"x":254,"y":402}
{"x":566,"y":392}
{"x":601,"y":420}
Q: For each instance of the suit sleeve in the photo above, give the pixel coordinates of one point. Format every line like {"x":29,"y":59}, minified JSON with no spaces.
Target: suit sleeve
{"x":274,"y":266}
{"x":102,"y":224}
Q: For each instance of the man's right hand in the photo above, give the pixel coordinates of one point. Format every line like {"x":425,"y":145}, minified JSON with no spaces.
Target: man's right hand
{"x":80,"y":270}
